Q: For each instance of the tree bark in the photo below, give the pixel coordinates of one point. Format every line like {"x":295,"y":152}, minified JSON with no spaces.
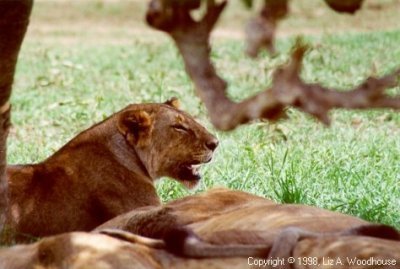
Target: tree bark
{"x":346,"y":6}
{"x":14,"y":19}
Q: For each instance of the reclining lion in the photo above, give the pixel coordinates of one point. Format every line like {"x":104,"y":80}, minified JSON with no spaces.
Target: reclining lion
{"x":226,"y":229}
{"x":222,"y":216}
{"x":107,"y":170}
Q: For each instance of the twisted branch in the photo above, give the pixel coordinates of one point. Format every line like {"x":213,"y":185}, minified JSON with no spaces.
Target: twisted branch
{"x":288,"y":89}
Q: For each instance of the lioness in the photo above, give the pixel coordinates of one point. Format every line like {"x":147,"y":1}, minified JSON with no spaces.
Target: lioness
{"x":107,"y":170}
{"x":229,"y":220}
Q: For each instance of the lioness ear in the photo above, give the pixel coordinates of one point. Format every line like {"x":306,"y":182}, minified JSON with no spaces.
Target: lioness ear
{"x":174,"y":102}
{"x":135,"y":126}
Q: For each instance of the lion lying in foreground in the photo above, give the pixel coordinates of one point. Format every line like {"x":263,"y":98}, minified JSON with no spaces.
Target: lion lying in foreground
{"x":107,"y":170}
{"x":218,"y":229}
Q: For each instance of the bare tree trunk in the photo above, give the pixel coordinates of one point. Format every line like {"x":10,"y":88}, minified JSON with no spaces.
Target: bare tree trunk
{"x":14,"y":19}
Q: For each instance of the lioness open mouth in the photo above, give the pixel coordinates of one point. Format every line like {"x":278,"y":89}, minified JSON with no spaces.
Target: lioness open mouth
{"x":190,"y":171}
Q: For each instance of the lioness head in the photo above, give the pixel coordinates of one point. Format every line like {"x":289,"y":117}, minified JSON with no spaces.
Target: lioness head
{"x":168,"y":141}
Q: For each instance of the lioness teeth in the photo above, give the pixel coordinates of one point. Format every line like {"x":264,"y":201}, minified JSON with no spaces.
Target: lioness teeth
{"x":196,"y":166}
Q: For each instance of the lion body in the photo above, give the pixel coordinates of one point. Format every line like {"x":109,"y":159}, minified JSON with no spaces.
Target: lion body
{"x":222,"y":217}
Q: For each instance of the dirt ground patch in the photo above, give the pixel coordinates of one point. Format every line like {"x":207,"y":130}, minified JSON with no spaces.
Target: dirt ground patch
{"x":121,"y":21}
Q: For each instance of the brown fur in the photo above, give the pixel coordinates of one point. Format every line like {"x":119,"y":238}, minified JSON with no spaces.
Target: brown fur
{"x":95,"y":251}
{"x":221,"y":211}
{"x":232,"y":218}
{"x":107,"y":170}
{"x":222,"y":217}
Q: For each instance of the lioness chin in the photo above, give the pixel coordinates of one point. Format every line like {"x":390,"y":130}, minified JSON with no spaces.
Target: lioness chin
{"x":107,"y":170}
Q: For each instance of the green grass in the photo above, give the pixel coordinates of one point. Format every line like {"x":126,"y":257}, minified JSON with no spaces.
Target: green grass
{"x":352,"y":167}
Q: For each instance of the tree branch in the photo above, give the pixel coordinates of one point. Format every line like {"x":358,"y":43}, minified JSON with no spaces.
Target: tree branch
{"x":192,"y":40}
{"x":260,"y":31}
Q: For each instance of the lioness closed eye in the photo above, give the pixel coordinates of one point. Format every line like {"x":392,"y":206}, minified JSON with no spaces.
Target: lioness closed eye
{"x":107,"y":170}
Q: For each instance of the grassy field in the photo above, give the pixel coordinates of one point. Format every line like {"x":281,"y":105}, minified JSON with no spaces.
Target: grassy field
{"x":83,"y":60}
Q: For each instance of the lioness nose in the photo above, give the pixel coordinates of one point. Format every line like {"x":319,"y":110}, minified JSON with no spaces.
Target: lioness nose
{"x":212,"y":144}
